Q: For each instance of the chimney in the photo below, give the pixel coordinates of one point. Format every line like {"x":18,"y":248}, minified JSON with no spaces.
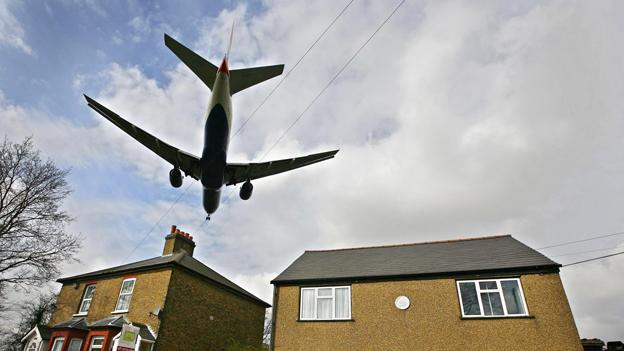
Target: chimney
{"x":177,"y":241}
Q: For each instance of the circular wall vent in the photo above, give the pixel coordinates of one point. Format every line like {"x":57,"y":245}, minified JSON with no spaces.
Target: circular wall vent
{"x":402,"y":302}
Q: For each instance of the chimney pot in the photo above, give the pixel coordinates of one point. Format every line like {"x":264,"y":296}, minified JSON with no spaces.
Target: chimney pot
{"x":174,"y":242}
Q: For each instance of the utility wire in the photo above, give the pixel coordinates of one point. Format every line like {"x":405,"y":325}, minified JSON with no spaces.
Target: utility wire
{"x":594,"y":259}
{"x":292,"y":69}
{"x":333,"y":79}
{"x":583,"y":252}
{"x":158,"y":221}
{"x":581,"y":241}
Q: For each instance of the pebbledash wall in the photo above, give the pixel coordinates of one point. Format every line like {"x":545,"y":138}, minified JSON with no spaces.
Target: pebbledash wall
{"x":432,"y":322}
{"x":150,"y":292}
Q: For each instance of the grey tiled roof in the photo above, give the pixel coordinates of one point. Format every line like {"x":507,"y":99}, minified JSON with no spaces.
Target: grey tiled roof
{"x":144,"y":332}
{"x":114,"y":321}
{"x":443,"y":257}
{"x":180,"y":259}
{"x":76,"y":323}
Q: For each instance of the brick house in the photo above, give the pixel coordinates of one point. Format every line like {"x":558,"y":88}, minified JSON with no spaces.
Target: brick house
{"x":177,"y":302}
{"x":491,"y":293}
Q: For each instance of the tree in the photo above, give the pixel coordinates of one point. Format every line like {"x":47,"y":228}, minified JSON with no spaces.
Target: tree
{"x":33,"y":240}
{"x":37,"y":312}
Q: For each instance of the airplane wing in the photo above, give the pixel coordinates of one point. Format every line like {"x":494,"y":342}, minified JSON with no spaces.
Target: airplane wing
{"x":240,"y":172}
{"x":188,"y":163}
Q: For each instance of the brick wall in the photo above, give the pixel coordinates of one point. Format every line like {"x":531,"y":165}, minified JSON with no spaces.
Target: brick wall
{"x":201,"y":316}
{"x":150,"y":290}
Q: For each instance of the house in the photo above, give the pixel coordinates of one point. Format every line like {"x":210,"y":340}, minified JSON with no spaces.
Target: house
{"x":37,"y":339}
{"x":490,"y":293}
{"x":177,"y":302}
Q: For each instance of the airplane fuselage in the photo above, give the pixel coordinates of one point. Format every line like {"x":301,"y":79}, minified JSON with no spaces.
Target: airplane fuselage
{"x":216,"y":140}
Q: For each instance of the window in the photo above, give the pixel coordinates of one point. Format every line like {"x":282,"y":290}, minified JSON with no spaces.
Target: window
{"x":125,"y":294}
{"x":33,"y":346}
{"x":491,"y":298}
{"x":74,"y":344}
{"x":97,"y":343}
{"x":325,"y":303}
{"x":86,"y":299}
{"x":58,"y":344}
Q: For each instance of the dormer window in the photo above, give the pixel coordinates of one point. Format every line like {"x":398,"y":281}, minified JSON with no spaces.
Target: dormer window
{"x":125,"y":295}
{"x":86,"y":299}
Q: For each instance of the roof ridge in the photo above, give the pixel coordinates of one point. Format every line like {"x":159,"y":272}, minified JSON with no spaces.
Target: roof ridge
{"x":414,"y":244}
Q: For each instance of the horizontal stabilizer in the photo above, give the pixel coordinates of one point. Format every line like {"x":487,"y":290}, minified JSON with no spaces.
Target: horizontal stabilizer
{"x":244,"y":78}
{"x":205,"y":70}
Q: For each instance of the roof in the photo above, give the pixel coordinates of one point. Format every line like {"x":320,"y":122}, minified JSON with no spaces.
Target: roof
{"x":180,"y":259}
{"x":115,"y":321}
{"x":42,"y":330}
{"x":494,"y":253}
{"x":76,"y":323}
{"x":145,"y":332}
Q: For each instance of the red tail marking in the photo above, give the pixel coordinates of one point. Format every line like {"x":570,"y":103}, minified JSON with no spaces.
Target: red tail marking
{"x":224,"y":67}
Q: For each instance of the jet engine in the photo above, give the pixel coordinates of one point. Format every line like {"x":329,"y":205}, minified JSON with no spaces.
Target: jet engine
{"x":175,"y":178}
{"x":246,"y":190}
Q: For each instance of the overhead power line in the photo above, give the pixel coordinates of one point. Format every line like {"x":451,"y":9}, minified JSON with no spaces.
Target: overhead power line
{"x":333,"y":78}
{"x":581,"y":241}
{"x":331,"y":24}
{"x":593,"y":259}
{"x":582,"y":252}
{"x":158,"y":221}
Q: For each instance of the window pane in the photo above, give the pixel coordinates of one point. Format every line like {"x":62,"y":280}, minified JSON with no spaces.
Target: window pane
{"x":513,"y":299}
{"x":342,"y":303}
{"x":127,"y":286}
{"x":89,"y":291}
{"x":58,"y":344}
{"x":124,"y":302}
{"x":307,"y":303}
{"x":324,"y":308}
{"x":492,"y":305}
{"x":470,"y":302}
{"x":98,"y":341}
{"x":74,"y":345}
{"x":85,"y":306}
{"x":325,"y":292}
{"x":488,"y":285}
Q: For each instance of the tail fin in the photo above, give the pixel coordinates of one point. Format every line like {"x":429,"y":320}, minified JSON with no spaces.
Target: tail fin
{"x":240,"y":79}
{"x":205,"y":70}
{"x":244,"y":78}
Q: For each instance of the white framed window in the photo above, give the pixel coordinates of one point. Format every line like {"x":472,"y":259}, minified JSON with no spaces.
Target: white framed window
{"x":58,"y":344}
{"x":97,"y":343}
{"x":491,"y":298}
{"x":74,"y":344}
{"x":86,"y":299}
{"x":125,"y":295}
{"x":325,"y":303}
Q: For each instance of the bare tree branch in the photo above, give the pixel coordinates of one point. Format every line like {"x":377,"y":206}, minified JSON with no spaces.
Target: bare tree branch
{"x":33,"y":240}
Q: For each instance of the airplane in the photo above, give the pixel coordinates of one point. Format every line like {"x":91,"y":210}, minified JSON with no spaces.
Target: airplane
{"x":212,"y":168}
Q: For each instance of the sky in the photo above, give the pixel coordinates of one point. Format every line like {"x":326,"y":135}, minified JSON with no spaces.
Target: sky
{"x":458,"y":119}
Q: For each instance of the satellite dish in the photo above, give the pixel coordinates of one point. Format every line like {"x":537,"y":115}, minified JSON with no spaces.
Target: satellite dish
{"x":402,"y":302}
{"x":156,"y":311}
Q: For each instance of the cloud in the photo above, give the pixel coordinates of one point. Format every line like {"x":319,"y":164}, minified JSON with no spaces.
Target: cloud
{"x":457,"y":119}
{"x":11,"y":31}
